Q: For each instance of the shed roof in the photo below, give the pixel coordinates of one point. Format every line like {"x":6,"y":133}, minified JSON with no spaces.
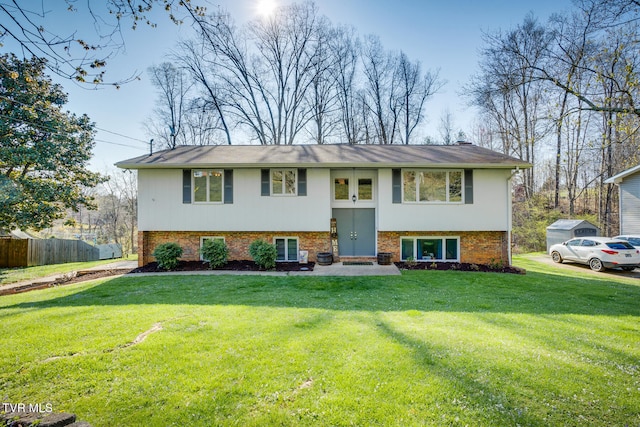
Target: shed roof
{"x":617,"y":179}
{"x":336,"y":155}
{"x":569,"y":224}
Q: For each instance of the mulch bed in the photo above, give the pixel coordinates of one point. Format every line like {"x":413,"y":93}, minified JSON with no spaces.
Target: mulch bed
{"x":152,"y":267}
{"x":459,"y":266}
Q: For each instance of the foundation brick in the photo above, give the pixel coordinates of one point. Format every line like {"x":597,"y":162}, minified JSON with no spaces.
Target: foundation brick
{"x":237,"y":242}
{"x":478,"y":247}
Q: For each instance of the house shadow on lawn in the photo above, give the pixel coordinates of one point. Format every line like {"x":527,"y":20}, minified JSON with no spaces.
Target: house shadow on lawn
{"x":445,"y":291}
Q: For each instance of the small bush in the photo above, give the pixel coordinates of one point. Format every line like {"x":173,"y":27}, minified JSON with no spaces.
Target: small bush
{"x":264,"y":254}
{"x":215,"y":252}
{"x":167,"y":255}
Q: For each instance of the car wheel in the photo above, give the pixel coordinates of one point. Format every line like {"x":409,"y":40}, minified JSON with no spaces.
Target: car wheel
{"x":628,"y":268}
{"x":596,"y":264}
{"x":556,"y":257}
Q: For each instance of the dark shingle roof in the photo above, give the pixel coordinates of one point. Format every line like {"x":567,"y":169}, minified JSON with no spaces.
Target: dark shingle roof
{"x":337,"y":155}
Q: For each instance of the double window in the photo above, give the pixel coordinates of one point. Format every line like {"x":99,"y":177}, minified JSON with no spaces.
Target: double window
{"x":287,"y":248}
{"x":283,"y":182}
{"x":430,"y":248}
{"x":364,"y":189}
{"x":432,"y":186}
{"x":208,"y":185}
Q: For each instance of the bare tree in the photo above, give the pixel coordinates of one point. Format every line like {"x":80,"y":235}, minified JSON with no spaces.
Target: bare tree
{"x":346,"y":50}
{"x":267,"y":82}
{"x":173,"y":87}
{"x":508,"y":91}
{"x":288,"y":48}
{"x":76,"y":55}
{"x":322,"y":95}
{"x":117,"y":209}
{"x":381,"y":89}
{"x":208,"y":111}
{"x":414,"y":88}
{"x":446,"y":127}
{"x":292,"y":77}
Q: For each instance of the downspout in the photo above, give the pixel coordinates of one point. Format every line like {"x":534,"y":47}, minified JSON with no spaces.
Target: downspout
{"x":510,"y":213}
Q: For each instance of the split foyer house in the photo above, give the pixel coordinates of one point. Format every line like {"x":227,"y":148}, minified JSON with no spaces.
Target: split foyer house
{"x":421,"y":202}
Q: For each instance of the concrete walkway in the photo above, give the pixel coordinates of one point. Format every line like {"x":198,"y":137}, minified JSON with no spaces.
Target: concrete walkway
{"x":336,"y":269}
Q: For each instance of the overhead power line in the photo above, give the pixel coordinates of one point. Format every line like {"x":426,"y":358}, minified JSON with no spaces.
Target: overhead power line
{"x":122,"y":145}
{"x":96,"y":127}
{"x":123,"y":136}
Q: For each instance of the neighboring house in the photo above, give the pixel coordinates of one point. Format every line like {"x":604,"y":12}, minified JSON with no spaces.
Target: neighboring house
{"x":424,"y":202}
{"x":629,"y":198}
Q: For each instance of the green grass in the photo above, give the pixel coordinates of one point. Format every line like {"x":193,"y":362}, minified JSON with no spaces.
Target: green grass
{"x":425,"y":348}
{"x":14,"y":275}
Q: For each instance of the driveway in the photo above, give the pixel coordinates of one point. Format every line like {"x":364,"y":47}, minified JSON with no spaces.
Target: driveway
{"x":546,"y":259}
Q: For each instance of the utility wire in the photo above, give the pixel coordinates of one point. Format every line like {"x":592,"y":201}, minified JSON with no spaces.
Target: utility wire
{"x":46,"y":112}
{"x":123,"y":136}
{"x":122,"y":145}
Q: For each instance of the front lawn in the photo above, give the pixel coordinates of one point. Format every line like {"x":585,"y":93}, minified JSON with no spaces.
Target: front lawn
{"x":425,"y":348}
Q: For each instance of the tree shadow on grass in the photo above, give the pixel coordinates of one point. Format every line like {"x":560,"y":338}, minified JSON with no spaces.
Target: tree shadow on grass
{"x":444,"y":291}
{"x":481,"y":397}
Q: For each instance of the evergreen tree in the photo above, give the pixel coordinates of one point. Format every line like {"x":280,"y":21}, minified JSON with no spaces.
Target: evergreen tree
{"x":44,"y":150}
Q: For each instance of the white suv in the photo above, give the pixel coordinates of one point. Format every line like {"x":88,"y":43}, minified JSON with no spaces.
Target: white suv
{"x":598,"y":253}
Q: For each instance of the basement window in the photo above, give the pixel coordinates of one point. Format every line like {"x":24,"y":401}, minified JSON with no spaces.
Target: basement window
{"x":443,"y":249}
{"x":287,"y":248}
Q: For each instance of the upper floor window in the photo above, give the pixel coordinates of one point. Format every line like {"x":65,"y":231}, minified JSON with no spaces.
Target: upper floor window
{"x":283,"y":182}
{"x":432,"y":186}
{"x":208,"y":185}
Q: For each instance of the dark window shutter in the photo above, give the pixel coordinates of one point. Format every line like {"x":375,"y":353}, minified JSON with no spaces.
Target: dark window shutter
{"x":396,"y":185}
{"x":228,"y":186}
{"x":468,"y":186}
{"x":186,"y":186}
{"x":302,"y":182}
{"x":265,"y":182}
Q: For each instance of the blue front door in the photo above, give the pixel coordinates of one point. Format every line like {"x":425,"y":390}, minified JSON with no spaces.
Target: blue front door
{"x":356,"y":231}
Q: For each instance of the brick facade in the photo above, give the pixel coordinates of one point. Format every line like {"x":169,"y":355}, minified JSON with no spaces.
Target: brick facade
{"x":237,"y":242}
{"x":477,"y":247}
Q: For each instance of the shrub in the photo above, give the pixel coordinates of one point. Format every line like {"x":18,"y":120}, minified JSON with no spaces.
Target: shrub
{"x":215,"y":252}
{"x":263,"y":253}
{"x":167,"y":255}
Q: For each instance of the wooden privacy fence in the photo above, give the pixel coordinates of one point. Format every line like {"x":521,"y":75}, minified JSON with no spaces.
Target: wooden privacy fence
{"x":30,"y":252}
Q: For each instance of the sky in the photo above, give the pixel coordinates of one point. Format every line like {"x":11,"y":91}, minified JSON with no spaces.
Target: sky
{"x":442,"y":35}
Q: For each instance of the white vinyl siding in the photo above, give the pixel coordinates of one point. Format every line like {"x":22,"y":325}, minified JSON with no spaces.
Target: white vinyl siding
{"x":630,"y":205}
{"x":490,"y":210}
{"x":161,"y":208}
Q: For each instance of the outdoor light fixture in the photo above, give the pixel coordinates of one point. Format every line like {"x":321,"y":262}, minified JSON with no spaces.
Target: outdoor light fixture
{"x":354,"y":198}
